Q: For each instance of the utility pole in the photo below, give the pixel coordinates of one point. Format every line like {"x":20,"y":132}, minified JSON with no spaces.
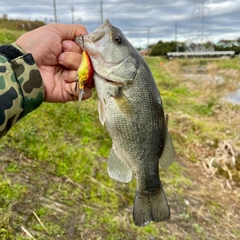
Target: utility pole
{"x":176,"y":35}
{"x":101,"y":11}
{"x":72,"y":9}
{"x":55,"y":11}
{"x":148,"y":36}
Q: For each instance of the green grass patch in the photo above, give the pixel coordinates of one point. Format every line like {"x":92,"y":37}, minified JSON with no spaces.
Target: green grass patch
{"x":65,"y":151}
{"x":229,"y":63}
{"x":9,"y":192}
{"x":9,"y":36}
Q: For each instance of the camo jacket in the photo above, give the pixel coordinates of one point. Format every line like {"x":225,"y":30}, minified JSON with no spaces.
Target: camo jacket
{"x":21,"y":86}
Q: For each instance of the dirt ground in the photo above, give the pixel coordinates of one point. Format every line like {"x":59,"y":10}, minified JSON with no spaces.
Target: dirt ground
{"x":209,"y":207}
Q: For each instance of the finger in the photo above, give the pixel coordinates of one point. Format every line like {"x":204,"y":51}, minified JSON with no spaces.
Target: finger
{"x":87,"y":93}
{"x":69,"y":76}
{"x":70,"y":60}
{"x":71,"y":46}
{"x":73,"y":95}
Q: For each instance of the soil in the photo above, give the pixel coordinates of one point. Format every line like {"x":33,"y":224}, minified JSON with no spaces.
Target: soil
{"x":204,"y":192}
{"x":208,"y":209}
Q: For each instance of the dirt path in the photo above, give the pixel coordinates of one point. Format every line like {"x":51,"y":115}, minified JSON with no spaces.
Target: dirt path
{"x":205,"y":203}
{"x":208,"y":207}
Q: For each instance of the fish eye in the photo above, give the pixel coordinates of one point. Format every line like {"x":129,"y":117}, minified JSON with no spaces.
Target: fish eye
{"x":118,"y":39}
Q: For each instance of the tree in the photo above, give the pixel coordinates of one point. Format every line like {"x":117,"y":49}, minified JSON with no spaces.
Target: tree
{"x":162,"y":48}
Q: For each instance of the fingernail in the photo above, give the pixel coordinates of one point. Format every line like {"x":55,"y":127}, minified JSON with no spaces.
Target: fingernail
{"x":66,"y":45}
{"x":61,"y":57}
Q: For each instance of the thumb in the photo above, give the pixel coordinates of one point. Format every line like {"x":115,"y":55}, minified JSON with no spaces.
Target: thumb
{"x":68,"y":31}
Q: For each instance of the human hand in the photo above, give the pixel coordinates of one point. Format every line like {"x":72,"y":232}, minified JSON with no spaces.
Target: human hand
{"x":57,"y":57}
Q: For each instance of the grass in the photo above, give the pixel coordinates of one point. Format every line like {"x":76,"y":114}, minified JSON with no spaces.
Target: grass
{"x":226,"y":64}
{"x":54,"y":164}
{"x":8,"y":36}
{"x":12,"y":29}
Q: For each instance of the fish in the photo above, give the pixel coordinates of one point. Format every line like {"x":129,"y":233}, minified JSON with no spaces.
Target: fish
{"x":84,"y":73}
{"x":130,"y":107}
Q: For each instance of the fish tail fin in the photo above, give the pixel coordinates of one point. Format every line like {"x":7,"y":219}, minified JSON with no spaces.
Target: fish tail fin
{"x":149,"y":208}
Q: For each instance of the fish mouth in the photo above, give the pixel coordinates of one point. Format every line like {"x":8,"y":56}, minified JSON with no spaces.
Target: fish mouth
{"x":118,"y":84}
{"x":99,"y":33}
{"x":95,"y":36}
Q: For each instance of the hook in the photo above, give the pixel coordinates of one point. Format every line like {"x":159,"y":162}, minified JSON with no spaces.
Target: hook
{"x":76,"y":86}
{"x":82,"y":41}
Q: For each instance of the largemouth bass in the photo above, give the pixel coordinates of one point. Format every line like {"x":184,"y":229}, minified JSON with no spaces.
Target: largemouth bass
{"x":131,"y":108}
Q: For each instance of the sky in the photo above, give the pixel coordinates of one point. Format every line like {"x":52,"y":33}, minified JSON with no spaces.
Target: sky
{"x":143,"y":22}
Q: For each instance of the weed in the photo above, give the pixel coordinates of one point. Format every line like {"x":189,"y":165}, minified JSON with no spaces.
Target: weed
{"x":62,"y":151}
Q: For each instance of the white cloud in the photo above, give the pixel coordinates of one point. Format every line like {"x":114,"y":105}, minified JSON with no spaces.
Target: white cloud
{"x":133,"y":17}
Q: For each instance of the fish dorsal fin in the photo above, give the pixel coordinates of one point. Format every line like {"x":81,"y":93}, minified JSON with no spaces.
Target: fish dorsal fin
{"x":168,"y":154}
{"x":117,"y":169}
{"x":101,"y":112}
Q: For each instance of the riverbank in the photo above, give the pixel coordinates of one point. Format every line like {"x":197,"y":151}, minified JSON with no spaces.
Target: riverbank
{"x":216,"y":82}
{"x":54,"y":180}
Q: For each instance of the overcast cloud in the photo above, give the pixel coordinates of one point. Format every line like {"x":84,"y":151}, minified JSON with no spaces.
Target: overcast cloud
{"x":142,"y":21}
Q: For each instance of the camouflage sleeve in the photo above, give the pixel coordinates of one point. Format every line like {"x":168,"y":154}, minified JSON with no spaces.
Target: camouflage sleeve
{"x":21,"y":86}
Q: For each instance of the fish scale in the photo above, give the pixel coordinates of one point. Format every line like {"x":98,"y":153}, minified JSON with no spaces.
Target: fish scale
{"x":131,"y":108}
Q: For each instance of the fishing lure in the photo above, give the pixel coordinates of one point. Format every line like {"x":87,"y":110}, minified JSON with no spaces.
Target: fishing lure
{"x":84,"y":73}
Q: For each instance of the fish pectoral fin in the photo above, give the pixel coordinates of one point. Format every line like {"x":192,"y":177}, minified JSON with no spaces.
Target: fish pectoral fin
{"x":168,"y":154}
{"x":124,"y":104}
{"x":117,"y":169}
{"x":101,"y":112}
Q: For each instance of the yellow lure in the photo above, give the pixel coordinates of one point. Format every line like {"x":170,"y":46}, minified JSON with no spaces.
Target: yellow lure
{"x":84,"y":73}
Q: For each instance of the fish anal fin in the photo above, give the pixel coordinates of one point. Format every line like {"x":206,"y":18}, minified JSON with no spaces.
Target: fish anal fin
{"x":117,"y":169}
{"x":168,"y":154}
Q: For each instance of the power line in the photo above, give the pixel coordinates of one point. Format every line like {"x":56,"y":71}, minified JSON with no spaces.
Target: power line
{"x":128,"y":15}
{"x":201,"y":28}
{"x":77,"y":2}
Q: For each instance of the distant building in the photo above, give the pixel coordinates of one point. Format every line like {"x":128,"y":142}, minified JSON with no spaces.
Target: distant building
{"x":5,"y":16}
{"x":228,"y":43}
{"x":144,"y":52}
{"x":202,"y":54}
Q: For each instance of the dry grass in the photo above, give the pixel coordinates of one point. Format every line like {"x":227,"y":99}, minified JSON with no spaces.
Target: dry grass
{"x":221,"y":154}
{"x":68,"y":195}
